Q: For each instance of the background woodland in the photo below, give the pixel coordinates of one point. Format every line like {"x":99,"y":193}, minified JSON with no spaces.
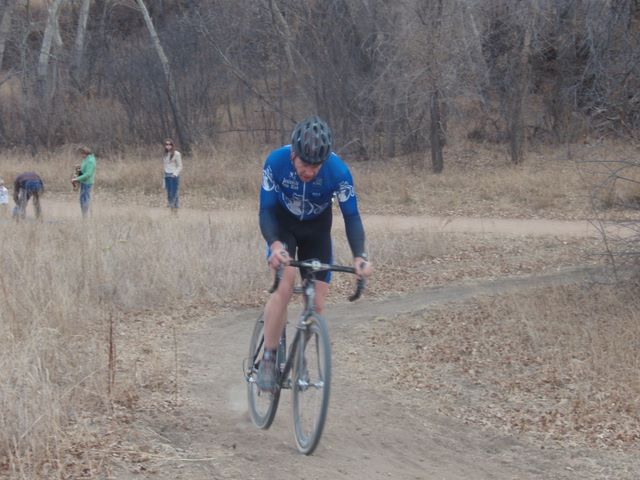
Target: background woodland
{"x":393,"y":78}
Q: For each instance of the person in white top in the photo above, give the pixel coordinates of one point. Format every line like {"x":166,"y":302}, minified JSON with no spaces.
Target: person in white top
{"x":172,"y":169}
{"x":4,"y":199}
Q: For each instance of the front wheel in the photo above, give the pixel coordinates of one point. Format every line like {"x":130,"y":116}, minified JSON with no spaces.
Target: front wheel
{"x":262,"y":405}
{"x":311,"y":383}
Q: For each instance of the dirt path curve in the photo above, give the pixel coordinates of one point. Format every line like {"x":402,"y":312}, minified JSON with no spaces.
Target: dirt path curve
{"x":64,"y":209}
{"x":509,"y":226}
{"x":370,"y":433}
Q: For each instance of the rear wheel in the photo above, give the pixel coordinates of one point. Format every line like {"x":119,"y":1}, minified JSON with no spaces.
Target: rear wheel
{"x":262,"y":405}
{"x":311,"y":382}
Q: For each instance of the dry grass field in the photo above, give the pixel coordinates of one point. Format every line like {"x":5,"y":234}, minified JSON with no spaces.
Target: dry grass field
{"x":91,"y":310}
{"x":559,"y":363}
{"x":478,"y":180}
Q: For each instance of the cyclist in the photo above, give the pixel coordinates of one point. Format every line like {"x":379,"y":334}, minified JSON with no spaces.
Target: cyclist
{"x":299,"y":182}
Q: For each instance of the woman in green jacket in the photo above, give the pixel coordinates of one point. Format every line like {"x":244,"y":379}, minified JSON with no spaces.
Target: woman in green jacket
{"x":86,"y":178}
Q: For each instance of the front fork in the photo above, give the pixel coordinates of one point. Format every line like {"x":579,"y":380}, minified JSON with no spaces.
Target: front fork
{"x":281,"y":354}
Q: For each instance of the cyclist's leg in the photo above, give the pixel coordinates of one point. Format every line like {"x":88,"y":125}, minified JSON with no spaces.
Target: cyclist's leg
{"x":275,"y":311}
{"x":322,"y":289}
{"x":275,"y":316}
{"x":276,"y":308}
{"x":262,"y":407}
{"x":317,"y":244}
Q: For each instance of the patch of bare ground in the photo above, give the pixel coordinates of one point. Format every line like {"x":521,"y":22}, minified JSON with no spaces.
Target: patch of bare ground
{"x":559,"y":364}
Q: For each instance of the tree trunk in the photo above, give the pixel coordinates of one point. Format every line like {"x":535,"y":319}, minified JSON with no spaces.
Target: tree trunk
{"x":76,"y":64}
{"x":183,"y":137}
{"x":436,"y":130}
{"x":517,"y":126}
{"x":436,"y":137}
{"x":283,"y":27}
{"x":25,"y":82}
{"x":281,"y":93}
{"x":50,"y":36}
{"x":5,"y":27}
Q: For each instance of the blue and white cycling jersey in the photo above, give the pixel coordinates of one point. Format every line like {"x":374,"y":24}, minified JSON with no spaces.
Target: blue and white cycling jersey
{"x":280,"y":183}
{"x":307,"y":200}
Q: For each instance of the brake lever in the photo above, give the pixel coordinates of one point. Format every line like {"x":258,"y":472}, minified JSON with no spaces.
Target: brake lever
{"x":359,"y":286}
{"x":276,"y":280}
{"x":359,"y":289}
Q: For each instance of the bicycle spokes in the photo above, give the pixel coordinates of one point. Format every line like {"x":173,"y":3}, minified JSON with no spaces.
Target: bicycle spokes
{"x":311,"y":382}
{"x":262,"y":405}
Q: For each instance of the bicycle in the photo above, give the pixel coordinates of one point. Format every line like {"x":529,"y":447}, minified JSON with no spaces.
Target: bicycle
{"x":305,"y":370}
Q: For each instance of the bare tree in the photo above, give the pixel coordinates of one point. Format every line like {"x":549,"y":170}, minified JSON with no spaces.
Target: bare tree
{"x":50,"y":38}
{"x":387,"y":79}
{"x":434,"y":67}
{"x":76,"y":64}
{"x":183,"y":136}
{"x":5,"y":26}
{"x":284,"y":31}
{"x":518,"y":100}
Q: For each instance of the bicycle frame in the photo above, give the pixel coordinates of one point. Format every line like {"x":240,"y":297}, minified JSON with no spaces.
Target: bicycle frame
{"x":308,"y":290}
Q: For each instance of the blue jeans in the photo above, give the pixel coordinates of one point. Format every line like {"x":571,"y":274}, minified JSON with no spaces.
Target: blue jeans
{"x":85,"y":198}
{"x":172,"y":184}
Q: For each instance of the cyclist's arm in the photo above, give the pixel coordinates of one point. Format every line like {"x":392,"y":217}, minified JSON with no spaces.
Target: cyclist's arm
{"x":355,"y":234}
{"x":268,"y":224}
{"x":268,"y":204}
{"x":269,"y":229}
{"x":346,"y":196}
{"x":348,"y":202}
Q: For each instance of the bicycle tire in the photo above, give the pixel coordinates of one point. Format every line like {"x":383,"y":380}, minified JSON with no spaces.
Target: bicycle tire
{"x":262,"y":405}
{"x":311,"y":383}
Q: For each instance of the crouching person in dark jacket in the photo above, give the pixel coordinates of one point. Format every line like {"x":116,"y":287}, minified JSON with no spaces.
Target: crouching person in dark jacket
{"x":26,"y":186}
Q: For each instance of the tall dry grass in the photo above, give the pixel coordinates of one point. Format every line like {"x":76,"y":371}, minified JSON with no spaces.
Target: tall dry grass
{"x":477,"y":180}
{"x":216,"y":172}
{"x":62,"y":280}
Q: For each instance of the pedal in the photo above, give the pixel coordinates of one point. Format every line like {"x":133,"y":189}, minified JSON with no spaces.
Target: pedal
{"x":286,"y":384}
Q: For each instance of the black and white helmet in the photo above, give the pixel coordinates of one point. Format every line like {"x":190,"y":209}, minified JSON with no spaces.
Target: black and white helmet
{"x":311,"y":140}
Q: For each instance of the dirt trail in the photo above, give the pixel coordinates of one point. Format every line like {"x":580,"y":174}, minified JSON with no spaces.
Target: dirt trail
{"x":509,"y":226}
{"x":370,"y":433}
{"x":63,"y":209}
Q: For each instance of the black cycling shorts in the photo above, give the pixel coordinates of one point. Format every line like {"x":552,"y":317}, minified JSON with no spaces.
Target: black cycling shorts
{"x":307,"y":239}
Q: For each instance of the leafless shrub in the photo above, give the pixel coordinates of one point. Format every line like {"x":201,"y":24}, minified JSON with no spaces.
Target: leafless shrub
{"x":615,"y":200}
